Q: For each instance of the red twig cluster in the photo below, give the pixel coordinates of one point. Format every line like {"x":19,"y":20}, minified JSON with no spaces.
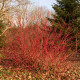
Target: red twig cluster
{"x":35,"y":46}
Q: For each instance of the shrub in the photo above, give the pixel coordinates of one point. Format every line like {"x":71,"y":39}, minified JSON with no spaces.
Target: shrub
{"x":36,"y":47}
{"x":2,"y":37}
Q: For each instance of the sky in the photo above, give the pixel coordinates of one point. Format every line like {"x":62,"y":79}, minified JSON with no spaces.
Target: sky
{"x":44,"y":3}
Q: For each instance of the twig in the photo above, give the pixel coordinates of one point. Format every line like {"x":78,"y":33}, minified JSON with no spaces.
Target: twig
{"x":5,"y":31}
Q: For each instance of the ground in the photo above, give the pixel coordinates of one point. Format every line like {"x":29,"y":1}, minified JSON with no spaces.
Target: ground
{"x":72,"y":73}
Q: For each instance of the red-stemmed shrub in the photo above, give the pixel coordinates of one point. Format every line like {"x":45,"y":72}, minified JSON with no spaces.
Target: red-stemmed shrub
{"x":36,"y":47}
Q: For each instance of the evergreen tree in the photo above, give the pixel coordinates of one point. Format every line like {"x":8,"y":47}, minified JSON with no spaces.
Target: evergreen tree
{"x":68,"y":11}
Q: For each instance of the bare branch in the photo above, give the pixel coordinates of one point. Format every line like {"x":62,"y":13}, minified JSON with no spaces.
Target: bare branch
{"x":2,"y":4}
{"x":5,"y":31}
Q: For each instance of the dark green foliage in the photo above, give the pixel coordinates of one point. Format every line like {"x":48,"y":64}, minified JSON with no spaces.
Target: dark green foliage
{"x":68,"y":10}
{"x":68,"y":14}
